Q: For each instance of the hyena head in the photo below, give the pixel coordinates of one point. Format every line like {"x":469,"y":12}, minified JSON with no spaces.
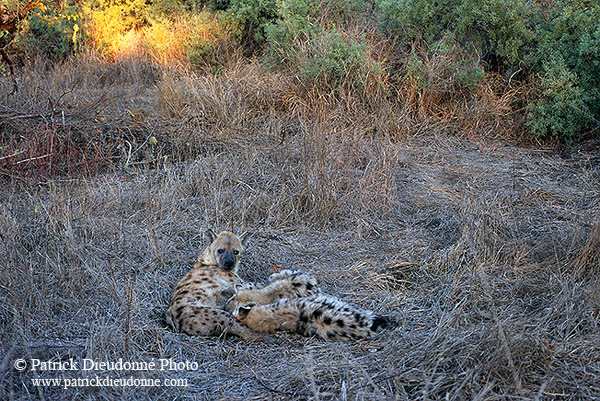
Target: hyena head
{"x":225,"y":250}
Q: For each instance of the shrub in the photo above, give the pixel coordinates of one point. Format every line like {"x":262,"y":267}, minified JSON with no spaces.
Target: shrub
{"x":416,"y":73}
{"x":562,"y":109}
{"x":52,"y":31}
{"x":319,"y":42}
{"x":555,"y":43}
{"x":164,"y":8}
{"x":212,"y":40}
{"x":55,"y":39}
{"x":114,"y":26}
{"x":165,"y":38}
{"x":497,"y":27}
{"x":334,"y":61}
{"x":436,"y":74}
{"x":566,"y":63}
{"x":252,"y":16}
{"x":412,"y":19}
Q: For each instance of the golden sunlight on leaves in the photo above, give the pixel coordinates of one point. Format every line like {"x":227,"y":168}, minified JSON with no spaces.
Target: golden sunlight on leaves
{"x":162,"y":40}
{"x":127,"y":45}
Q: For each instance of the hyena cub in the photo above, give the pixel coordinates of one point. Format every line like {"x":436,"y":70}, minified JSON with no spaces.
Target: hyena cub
{"x":284,"y":284}
{"x":292,"y":302}
{"x":197,"y":305}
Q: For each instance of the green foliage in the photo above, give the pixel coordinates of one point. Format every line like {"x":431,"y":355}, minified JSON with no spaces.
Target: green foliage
{"x":500,"y":27}
{"x":216,"y":5}
{"x":253,"y":16}
{"x":562,"y":109}
{"x":308,"y":36}
{"x":52,"y":33}
{"x":566,"y":61}
{"x":51,"y":39}
{"x":305,"y":36}
{"x":161,"y":8}
{"x":210,"y":42}
{"x":336,"y":61}
{"x":556,"y":43}
{"x":412,"y":19}
{"x":445,"y":67}
{"x":290,"y":28}
{"x":471,"y":75}
{"x":416,"y":73}
{"x":131,"y":13}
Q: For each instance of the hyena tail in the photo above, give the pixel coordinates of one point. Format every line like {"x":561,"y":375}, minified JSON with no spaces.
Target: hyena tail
{"x":381,"y":322}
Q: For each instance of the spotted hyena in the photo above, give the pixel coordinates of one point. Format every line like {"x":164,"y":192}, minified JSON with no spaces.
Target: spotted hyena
{"x":292,"y":302}
{"x":286,"y":284}
{"x":198,"y":301}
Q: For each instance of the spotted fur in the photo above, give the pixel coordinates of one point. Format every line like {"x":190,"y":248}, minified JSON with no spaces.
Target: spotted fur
{"x":318,"y":315}
{"x":198,"y":301}
{"x":284,"y":284}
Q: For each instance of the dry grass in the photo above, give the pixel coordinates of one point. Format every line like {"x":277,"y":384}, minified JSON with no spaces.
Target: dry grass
{"x":485,"y":254}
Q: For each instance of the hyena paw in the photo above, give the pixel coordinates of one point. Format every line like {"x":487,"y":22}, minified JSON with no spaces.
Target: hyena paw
{"x":241,"y":311}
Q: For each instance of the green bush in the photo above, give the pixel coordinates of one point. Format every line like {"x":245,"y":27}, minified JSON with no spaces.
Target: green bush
{"x":336,"y":61}
{"x":308,"y":36}
{"x":212,"y":40}
{"x":444,"y":68}
{"x":561,"y":111}
{"x":566,"y":63}
{"x":499,"y":27}
{"x":413,"y":19}
{"x":416,"y":73}
{"x":556,"y":44}
{"x":305,"y":36}
{"x":52,"y":33}
{"x":470,"y":75}
{"x":162,"y":8}
{"x":253,"y":16}
{"x":291,"y":28}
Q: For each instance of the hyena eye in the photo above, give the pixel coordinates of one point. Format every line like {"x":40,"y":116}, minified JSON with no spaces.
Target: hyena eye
{"x":220,"y":250}
{"x":236,"y":252}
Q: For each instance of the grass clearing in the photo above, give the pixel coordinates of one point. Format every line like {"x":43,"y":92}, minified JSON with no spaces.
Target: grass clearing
{"x":486,"y":253}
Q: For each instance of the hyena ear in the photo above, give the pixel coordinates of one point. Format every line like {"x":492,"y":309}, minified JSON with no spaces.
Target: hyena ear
{"x":211,"y":235}
{"x":244,"y":237}
{"x":243,"y":310}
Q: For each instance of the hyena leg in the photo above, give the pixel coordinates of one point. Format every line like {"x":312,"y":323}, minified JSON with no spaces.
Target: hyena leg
{"x":203,"y":321}
{"x":281,"y":315}
{"x":284,"y":284}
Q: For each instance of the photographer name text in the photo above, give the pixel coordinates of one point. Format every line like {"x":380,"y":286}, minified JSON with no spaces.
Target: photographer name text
{"x":89,"y":364}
